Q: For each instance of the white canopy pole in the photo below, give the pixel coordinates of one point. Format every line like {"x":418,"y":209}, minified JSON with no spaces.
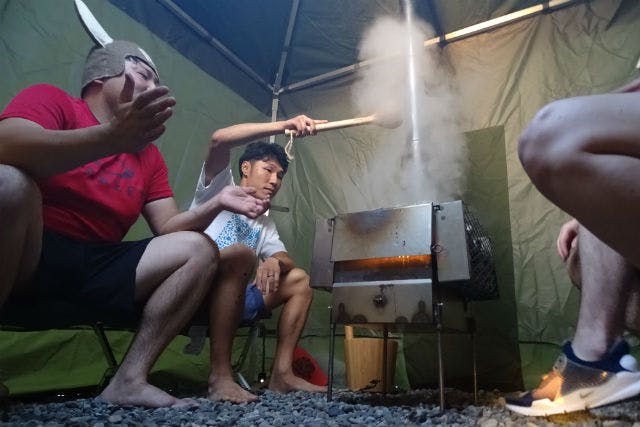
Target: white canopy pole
{"x":275,"y":101}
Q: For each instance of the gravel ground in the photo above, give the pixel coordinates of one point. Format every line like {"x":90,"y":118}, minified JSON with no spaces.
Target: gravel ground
{"x":419,"y":407}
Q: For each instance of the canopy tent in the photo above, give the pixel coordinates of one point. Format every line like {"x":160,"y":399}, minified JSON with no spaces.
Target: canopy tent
{"x":286,"y":46}
{"x":227,"y":61}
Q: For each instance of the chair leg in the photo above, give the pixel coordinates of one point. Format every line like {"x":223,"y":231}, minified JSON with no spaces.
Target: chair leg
{"x":255,"y":331}
{"x":112,"y":364}
{"x":262,"y":376}
{"x":197,"y":335}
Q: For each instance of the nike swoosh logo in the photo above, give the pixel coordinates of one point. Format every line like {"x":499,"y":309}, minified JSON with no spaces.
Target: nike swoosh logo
{"x":585,"y":394}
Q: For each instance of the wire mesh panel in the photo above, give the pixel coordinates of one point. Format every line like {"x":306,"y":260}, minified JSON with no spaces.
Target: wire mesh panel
{"x":483,"y":284}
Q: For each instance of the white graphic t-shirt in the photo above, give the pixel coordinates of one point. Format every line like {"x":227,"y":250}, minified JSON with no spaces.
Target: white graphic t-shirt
{"x":228,"y":228}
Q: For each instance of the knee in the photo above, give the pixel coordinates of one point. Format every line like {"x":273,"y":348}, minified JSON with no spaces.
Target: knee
{"x":241,"y":254}
{"x":301,"y":281}
{"x":18,"y":192}
{"x":548,"y":147}
{"x":238,"y":260}
{"x":200,"y":250}
{"x":533,"y":145}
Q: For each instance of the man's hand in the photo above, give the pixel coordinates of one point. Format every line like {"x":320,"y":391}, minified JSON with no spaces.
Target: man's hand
{"x":268,"y":275}
{"x":242,"y":200}
{"x":140,"y":120}
{"x":567,"y":238}
{"x":303,"y":125}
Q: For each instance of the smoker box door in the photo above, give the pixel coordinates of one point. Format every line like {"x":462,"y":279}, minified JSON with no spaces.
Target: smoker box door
{"x":451,"y":242}
{"x":380,"y":233}
{"x":402,"y":301}
{"x":321,"y":272}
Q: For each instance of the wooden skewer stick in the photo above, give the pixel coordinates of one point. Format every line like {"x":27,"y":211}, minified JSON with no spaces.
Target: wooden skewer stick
{"x":384,"y":121}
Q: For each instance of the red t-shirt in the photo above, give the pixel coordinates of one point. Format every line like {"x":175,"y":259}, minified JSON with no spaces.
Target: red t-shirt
{"x":99,"y":201}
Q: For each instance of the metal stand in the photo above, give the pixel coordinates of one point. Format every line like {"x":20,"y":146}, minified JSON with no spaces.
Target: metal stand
{"x":438,"y":318}
{"x":436,"y":232}
{"x":471,"y":328}
{"x":332,"y":347}
{"x":438,"y":305}
{"x":385,"y":342}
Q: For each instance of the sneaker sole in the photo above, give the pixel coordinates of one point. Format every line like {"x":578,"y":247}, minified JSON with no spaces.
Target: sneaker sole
{"x":622,"y":386}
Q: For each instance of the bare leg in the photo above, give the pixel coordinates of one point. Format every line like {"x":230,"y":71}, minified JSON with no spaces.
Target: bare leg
{"x":296,"y":295}
{"x":173,"y":275}
{"x":580,"y":147}
{"x":21,"y":219}
{"x":607,"y":281}
{"x":227,"y":300}
{"x":632,"y":312}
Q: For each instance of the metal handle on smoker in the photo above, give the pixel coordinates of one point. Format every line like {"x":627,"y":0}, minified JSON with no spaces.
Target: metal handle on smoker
{"x":380,"y":300}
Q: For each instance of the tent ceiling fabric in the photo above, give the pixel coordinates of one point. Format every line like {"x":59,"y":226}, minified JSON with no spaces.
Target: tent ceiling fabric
{"x":325,"y":37}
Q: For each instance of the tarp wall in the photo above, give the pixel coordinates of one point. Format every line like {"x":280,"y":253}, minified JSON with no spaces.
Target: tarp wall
{"x":503,"y":77}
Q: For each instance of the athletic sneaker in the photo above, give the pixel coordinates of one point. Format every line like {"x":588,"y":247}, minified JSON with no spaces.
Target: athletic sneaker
{"x":576,"y":385}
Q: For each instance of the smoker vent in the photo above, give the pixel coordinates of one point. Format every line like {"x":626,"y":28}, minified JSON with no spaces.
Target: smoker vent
{"x":483,"y":284}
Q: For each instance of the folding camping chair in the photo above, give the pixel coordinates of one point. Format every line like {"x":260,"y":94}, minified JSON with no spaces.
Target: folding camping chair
{"x":64,"y":315}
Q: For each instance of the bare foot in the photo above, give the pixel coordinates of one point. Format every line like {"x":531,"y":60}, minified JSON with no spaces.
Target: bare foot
{"x":287,"y":382}
{"x":139,"y":394}
{"x":229,"y":390}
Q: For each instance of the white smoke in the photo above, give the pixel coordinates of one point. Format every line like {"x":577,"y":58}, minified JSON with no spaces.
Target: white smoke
{"x":431,"y":169}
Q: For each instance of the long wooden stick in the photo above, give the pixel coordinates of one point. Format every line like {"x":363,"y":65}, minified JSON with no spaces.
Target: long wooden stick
{"x":339,"y":124}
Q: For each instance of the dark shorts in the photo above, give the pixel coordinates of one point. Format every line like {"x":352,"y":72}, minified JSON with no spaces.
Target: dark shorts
{"x":254,"y":307}
{"x":98,"y":276}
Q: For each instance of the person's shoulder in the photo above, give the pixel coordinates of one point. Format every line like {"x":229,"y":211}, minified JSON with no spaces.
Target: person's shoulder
{"x":44,"y":93}
{"x":45,"y":104}
{"x":150,"y":153}
{"x":46,"y":89}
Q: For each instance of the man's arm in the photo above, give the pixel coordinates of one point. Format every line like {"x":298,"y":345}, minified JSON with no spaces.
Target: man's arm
{"x":223,"y":140}
{"x":43,"y":152}
{"x":164,"y":217}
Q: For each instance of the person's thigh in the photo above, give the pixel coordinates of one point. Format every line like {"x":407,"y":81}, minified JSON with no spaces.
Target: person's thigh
{"x":98,"y":279}
{"x":585,"y":147}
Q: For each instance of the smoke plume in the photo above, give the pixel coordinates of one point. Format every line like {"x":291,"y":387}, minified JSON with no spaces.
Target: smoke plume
{"x":421,"y":161}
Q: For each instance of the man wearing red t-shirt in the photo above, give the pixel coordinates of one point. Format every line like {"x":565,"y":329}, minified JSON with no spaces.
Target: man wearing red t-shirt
{"x":74,"y":176}
{"x":583,"y":154}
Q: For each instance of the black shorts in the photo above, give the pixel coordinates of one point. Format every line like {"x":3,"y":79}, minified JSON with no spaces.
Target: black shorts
{"x":97,"y":276}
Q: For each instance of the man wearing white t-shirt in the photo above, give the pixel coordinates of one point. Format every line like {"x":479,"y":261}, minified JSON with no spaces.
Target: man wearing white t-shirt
{"x":240,"y":239}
